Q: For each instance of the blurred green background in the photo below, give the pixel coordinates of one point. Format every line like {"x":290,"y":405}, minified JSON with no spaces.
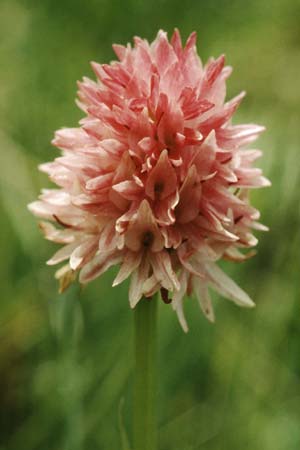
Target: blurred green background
{"x":66,"y":360}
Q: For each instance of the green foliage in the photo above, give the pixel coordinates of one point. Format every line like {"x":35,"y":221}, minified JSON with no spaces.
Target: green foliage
{"x":66,"y":360}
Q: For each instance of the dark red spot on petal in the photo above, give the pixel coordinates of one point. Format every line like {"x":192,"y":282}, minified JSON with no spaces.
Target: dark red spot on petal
{"x":147,"y":239}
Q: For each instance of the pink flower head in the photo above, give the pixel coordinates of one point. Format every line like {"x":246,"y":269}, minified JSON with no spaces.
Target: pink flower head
{"x":156,"y":177}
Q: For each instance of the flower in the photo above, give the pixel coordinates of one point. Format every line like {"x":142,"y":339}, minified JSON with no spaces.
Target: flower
{"x":155,"y":178}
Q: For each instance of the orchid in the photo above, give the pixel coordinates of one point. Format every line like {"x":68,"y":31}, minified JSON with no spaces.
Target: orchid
{"x":156,"y":178}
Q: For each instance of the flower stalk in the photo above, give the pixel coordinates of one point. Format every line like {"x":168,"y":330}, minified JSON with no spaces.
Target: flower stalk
{"x":144,"y":414}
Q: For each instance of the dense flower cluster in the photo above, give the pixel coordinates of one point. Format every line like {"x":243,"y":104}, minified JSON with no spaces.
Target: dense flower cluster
{"x":156,"y":178}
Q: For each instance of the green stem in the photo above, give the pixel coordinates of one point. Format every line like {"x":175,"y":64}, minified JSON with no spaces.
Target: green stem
{"x":144,"y":416}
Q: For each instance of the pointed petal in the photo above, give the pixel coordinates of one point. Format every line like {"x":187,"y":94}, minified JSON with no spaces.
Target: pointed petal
{"x":176,"y":42}
{"x":144,"y":223}
{"x":100,"y":182}
{"x":83,"y":253}
{"x":151,"y":286}
{"x":162,"y":180}
{"x":63,"y":253}
{"x":54,"y":234}
{"x":119,"y":50}
{"x":177,"y":300}
{"x":65,"y":275}
{"x":163,"y":52}
{"x":164,"y":209}
{"x":129,"y":190}
{"x":130,"y":263}
{"x":227,"y":287}
{"x":163,"y":270}
{"x":41,"y":209}
{"x":99,"y":265}
{"x":190,"y":195}
{"x":138,"y":279}
{"x":202,"y":294}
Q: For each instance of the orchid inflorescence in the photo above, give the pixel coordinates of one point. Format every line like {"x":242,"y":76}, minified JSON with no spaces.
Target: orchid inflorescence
{"x":156,"y":178}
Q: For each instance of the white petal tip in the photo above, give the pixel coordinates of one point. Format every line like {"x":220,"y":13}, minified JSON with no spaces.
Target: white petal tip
{"x":74,"y":264}
{"x":247,"y":303}
{"x":211,"y":319}
{"x":133,"y":302}
{"x":116,"y":281}
{"x":50,"y":262}
{"x":185,"y":328}
{"x":183,"y":324}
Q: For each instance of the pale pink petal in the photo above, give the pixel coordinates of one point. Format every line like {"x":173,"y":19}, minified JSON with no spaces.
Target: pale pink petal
{"x":99,"y":264}
{"x":107,"y":237}
{"x":63,"y":253}
{"x":171,"y":122}
{"x":163,"y":271}
{"x":202,"y":294}
{"x":100,"y":182}
{"x":129,"y":189}
{"x":164,"y":210}
{"x":143,"y":232}
{"x":40,"y":209}
{"x":66,"y":236}
{"x":70,"y":138}
{"x":234,"y":254}
{"x":162,"y":180}
{"x":130,"y":263}
{"x":119,"y":50}
{"x":151,"y":286}
{"x":172,"y":236}
{"x":219,"y":119}
{"x":191,"y":263}
{"x":164,"y":54}
{"x":190,"y":195}
{"x":238,"y":135}
{"x":181,"y":317}
{"x":138,"y":279}
{"x":176,"y":42}
{"x":227,"y":287}
{"x":83,"y":253}
{"x":212,"y":72}
{"x":177,"y":300}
